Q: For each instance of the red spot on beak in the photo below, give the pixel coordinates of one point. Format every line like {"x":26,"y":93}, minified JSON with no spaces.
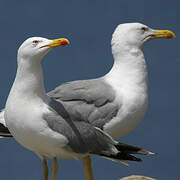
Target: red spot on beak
{"x":64,"y":42}
{"x":169,"y":36}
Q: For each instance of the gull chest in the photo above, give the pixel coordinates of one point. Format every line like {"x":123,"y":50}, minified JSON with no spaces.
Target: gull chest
{"x":31,"y":131}
{"x":132,"y":101}
{"x":24,"y":121}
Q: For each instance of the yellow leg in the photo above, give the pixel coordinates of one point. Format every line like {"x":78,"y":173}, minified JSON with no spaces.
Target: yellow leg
{"x":87,"y":168}
{"x":54,"y":169}
{"x":45,"y":169}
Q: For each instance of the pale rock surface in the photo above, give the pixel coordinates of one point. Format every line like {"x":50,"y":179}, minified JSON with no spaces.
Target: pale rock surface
{"x":135,"y":177}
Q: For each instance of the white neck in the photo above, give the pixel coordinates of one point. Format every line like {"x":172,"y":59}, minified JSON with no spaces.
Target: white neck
{"x":29,"y":79}
{"x":129,"y":71}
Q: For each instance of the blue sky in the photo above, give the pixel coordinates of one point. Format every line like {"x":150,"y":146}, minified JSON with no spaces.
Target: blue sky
{"x":89,"y":24}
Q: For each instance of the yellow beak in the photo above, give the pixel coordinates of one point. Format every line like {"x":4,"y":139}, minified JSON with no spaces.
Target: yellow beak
{"x":163,"y":34}
{"x":57,"y":42}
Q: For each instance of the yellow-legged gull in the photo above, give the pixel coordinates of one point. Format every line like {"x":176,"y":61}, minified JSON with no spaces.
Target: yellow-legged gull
{"x":44,"y":126}
{"x":116,"y":102}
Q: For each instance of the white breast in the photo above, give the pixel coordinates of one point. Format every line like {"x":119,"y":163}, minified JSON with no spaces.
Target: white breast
{"x":128,"y":78}
{"x":131,"y":113}
{"x":31,"y":131}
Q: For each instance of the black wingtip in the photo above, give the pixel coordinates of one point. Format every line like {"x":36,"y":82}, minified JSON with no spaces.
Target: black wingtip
{"x":122,"y":157}
{"x":129,"y":157}
{"x":4,"y":132}
{"x":132,"y":149}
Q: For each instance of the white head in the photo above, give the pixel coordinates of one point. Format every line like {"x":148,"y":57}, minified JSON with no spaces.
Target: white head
{"x":134,"y":35}
{"x":35,"y":48}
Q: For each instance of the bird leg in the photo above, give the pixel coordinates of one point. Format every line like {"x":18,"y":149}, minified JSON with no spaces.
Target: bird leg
{"x":87,"y":168}
{"x":54,"y":169}
{"x":45,"y":169}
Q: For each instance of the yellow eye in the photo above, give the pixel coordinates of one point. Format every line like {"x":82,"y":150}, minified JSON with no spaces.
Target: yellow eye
{"x":35,"y":41}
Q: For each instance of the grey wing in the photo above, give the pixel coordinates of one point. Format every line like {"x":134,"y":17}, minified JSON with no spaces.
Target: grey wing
{"x":88,"y":100}
{"x":82,"y":136}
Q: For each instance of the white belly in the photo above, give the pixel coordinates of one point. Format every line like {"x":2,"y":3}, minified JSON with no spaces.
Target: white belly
{"x":124,"y":123}
{"x":128,"y":78}
{"x":131,"y":113}
{"x":32,"y":132}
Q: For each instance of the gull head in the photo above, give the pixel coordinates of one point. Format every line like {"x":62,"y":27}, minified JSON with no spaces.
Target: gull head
{"x":134,"y":35}
{"x":35,"y":48}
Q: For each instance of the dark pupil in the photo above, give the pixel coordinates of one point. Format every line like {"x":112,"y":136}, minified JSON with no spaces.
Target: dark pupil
{"x":144,"y":28}
{"x":35,"y":41}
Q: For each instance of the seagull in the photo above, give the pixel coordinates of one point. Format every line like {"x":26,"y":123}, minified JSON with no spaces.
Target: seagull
{"x":115,"y":103}
{"x":43,"y":125}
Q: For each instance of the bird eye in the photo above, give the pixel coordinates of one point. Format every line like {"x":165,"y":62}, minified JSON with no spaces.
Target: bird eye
{"x":144,"y":29}
{"x":35,"y":41}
